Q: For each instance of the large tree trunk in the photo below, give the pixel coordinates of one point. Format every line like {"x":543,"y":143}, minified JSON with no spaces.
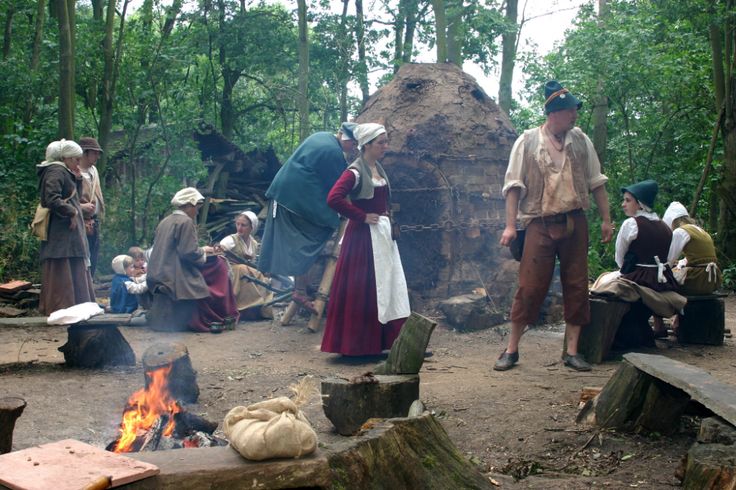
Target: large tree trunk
{"x":600,"y":111}
{"x":440,"y":21}
{"x":66,"y":68}
{"x":399,"y":25}
{"x":722,"y":64}
{"x":38,"y":34}
{"x":455,"y":32}
{"x":409,"y":30}
{"x":303,"y":100}
{"x":508,"y":57}
{"x":112,"y":58}
{"x":362,"y":71}
{"x":343,"y":62}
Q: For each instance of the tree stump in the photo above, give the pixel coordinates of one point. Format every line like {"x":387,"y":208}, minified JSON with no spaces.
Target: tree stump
{"x":167,"y":315}
{"x":710,"y":466}
{"x":597,"y":337}
{"x":407,"y":352}
{"x":182,"y":379}
{"x":348,"y":405}
{"x":10,"y":409}
{"x":92,"y":346}
{"x":703,"y":321}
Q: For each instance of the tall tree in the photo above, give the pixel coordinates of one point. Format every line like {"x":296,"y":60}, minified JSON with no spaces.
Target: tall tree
{"x":508,"y":59}
{"x":65,"y":18}
{"x":362,"y":68}
{"x":303,"y":97}
{"x":600,"y":111}
{"x":440,"y":19}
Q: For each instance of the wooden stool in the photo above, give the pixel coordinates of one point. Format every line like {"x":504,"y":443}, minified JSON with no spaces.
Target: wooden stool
{"x":703,"y":320}
{"x":597,"y":337}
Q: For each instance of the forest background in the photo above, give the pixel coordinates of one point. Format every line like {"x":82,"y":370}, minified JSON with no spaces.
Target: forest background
{"x":657,"y":77}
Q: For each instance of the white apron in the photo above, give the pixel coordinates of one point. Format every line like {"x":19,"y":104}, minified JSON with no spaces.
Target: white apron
{"x":391,"y":291}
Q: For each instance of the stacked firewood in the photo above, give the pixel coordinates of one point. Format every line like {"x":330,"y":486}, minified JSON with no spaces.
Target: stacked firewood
{"x":17,"y":297}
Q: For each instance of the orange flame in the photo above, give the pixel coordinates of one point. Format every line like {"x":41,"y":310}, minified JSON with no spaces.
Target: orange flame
{"x":144,"y":408}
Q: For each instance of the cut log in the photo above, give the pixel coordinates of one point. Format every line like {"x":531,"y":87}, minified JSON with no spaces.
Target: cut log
{"x":597,"y":337}
{"x":703,"y":321}
{"x":167,"y":315}
{"x":182,"y":379}
{"x":716,"y":430}
{"x":10,"y":409}
{"x":187,"y":423}
{"x":288,"y":315}
{"x":348,"y":405}
{"x":93,"y":346}
{"x":662,"y":408}
{"x":407,"y":352}
{"x":393,"y":454}
{"x":710,"y":466}
{"x":323,"y":293}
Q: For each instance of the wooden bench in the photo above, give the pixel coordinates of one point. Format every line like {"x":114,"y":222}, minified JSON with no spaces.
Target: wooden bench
{"x":649,"y":392}
{"x":703,"y":320}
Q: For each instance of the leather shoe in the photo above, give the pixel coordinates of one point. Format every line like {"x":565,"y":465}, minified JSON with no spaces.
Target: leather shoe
{"x":506,"y":361}
{"x":576,"y":362}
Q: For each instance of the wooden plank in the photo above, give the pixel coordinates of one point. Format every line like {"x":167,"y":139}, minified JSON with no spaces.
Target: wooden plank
{"x":13,"y":286}
{"x":718,"y":397}
{"x":68,"y":465}
{"x":105,"y":319}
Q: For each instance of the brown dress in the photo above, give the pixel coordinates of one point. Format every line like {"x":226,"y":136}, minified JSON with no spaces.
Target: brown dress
{"x":65,"y":277}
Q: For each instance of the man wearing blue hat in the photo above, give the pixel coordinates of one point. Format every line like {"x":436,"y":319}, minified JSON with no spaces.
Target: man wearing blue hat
{"x":552,"y":171}
{"x":299,"y":222}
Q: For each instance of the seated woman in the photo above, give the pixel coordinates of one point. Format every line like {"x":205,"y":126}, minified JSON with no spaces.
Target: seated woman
{"x":190,"y":284}
{"x":642,"y":245}
{"x":241,"y":250}
{"x":698,"y":273}
{"x":369,"y":301}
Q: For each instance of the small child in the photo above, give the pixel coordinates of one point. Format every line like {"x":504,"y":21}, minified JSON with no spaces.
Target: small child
{"x":139,"y":260}
{"x":124,"y":289}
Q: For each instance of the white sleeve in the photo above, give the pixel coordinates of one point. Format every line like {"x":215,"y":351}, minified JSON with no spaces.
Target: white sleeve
{"x":515,"y":171}
{"x":680,"y":238}
{"x":135,"y":288}
{"x":627,"y":234}
{"x":227,"y":243}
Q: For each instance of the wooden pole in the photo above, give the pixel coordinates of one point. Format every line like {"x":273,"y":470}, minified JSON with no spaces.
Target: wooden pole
{"x":325,"y":284}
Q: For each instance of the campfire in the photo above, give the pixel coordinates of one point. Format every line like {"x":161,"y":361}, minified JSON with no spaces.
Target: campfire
{"x":154,"y":420}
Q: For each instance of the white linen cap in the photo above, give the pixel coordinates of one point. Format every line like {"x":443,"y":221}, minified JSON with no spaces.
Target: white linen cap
{"x":365,"y":133}
{"x":188,"y":195}
{"x":253,"y":220}
{"x":674,"y":211}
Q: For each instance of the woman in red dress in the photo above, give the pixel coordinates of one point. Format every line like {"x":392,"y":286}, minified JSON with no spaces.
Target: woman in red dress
{"x":369,"y":301}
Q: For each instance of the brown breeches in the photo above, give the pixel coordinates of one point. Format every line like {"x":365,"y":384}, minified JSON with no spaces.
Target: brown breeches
{"x":547,"y":239}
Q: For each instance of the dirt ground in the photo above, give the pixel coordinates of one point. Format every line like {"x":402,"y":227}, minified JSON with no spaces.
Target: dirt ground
{"x":518,"y":426}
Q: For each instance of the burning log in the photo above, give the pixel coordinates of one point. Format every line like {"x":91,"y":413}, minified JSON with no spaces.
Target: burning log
{"x":182,"y":380}
{"x":153,"y":419}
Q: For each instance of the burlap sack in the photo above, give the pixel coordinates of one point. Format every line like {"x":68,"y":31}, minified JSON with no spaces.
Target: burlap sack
{"x":273,"y":428}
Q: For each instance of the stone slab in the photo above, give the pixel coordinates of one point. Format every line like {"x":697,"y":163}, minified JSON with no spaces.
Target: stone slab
{"x":68,"y":465}
{"x":718,"y":397}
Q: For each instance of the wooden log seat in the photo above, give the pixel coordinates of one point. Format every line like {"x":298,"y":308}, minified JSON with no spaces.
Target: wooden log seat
{"x":96,"y":344}
{"x":703,"y":320}
{"x":597,"y":337}
{"x":650,"y":392}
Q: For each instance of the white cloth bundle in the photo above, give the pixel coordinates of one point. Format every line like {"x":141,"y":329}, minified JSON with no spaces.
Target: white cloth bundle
{"x":273,"y":428}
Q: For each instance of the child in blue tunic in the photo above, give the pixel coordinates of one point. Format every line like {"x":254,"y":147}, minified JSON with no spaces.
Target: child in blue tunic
{"x":125,"y":285}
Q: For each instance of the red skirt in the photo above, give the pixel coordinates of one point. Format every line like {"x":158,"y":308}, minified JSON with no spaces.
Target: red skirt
{"x":221,"y":302}
{"x":352,"y":326}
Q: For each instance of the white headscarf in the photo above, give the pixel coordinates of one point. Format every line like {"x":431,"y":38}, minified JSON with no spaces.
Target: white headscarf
{"x":60,"y":149}
{"x":120,"y":263}
{"x":253,"y":220}
{"x":188,"y":195}
{"x":365,"y":133}
{"x":674,"y":211}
